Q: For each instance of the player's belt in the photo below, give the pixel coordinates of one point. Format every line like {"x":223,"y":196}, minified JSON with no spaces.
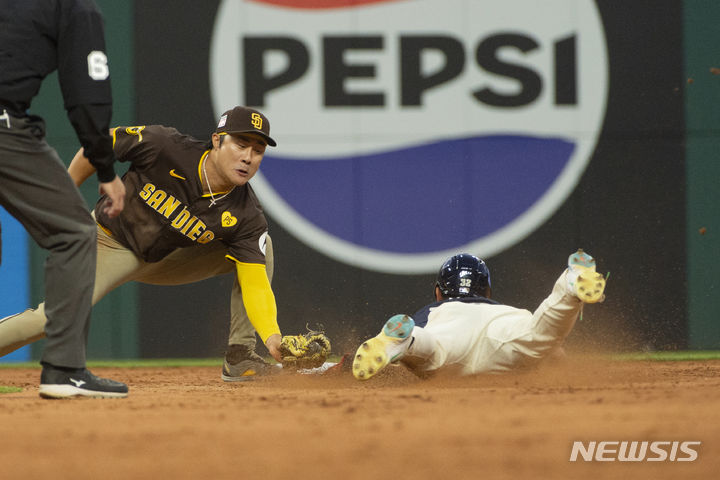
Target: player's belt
{"x":104,"y":228}
{"x":11,"y":107}
{"x":5,"y":119}
{"x":8,"y":119}
{"x":8,"y":111}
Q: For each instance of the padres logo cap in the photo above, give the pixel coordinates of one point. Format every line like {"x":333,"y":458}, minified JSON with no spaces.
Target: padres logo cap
{"x":245,"y":120}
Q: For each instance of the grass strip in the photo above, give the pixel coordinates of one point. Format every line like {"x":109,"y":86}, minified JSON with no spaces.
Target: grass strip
{"x":661,"y":356}
{"x":669,"y":356}
{"x":4,"y":389}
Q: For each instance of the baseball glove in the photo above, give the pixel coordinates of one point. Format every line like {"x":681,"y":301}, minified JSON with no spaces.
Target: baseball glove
{"x":304,"y":351}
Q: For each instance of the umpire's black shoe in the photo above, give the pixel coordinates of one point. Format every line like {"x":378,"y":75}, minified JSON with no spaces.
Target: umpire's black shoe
{"x":58,"y":382}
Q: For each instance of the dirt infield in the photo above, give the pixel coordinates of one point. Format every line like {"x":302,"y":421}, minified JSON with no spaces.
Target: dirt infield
{"x":185,"y":423}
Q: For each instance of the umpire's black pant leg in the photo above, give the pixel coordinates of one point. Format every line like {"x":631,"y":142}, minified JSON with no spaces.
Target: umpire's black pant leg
{"x":36,"y":189}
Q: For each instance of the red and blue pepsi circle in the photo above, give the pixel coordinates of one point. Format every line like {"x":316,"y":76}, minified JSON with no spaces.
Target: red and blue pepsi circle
{"x":409,"y":130}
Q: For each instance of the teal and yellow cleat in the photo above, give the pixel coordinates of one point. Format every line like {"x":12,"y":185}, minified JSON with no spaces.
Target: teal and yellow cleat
{"x":582,"y":279}
{"x":388,"y":346}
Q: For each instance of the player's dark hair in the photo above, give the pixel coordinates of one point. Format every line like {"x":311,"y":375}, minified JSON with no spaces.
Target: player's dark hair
{"x":209,"y":145}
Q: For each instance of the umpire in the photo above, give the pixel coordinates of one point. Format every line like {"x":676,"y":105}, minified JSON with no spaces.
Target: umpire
{"x":38,"y":37}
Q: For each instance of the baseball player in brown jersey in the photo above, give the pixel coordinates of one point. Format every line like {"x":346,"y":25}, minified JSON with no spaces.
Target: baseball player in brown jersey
{"x":189,"y":214}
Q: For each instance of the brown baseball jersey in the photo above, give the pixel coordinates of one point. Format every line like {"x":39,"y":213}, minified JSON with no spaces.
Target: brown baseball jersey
{"x":165,"y":207}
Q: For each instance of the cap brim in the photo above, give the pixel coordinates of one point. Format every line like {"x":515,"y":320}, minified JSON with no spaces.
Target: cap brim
{"x":267,"y":139}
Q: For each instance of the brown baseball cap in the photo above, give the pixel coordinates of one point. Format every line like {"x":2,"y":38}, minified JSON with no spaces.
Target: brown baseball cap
{"x":245,"y":120}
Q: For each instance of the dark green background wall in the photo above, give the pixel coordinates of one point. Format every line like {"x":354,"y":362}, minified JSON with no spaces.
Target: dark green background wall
{"x":702,"y":53}
{"x":655,"y":169}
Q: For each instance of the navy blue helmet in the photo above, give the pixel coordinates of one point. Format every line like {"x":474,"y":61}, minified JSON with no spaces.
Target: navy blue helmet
{"x":463,"y":275}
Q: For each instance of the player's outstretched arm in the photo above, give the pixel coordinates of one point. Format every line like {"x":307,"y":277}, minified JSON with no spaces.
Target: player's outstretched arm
{"x":259,"y":302}
{"x":80,"y":168}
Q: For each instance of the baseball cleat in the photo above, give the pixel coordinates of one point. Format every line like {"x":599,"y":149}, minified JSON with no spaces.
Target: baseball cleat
{"x":78,"y":382}
{"x":388,"y":346}
{"x":242,"y":364}
{"x":583,"y":280}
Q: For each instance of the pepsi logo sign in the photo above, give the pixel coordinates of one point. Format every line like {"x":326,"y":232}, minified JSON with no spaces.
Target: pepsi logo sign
{"x":411,"y":130}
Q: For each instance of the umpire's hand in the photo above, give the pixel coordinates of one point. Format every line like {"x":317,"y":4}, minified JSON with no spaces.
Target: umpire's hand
{"x":115,"y":191}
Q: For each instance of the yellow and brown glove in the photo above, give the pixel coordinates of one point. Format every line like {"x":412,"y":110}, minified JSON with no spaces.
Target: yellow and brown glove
{"x":304,"y":351}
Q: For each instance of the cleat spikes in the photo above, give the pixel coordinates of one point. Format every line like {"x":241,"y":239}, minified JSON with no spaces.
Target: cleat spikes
{"x":583,"y":280}
{"x":388,"y":346}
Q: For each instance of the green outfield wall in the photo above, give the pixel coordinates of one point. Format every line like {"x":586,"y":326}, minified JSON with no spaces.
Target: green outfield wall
{"x":702,"y":38}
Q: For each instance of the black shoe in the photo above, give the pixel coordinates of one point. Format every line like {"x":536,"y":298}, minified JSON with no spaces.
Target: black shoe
{"x":58,"y":382}
{"x":242,"y":364}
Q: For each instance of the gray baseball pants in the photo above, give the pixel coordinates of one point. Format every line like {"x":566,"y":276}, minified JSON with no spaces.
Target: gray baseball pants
{"x":35,"y":189}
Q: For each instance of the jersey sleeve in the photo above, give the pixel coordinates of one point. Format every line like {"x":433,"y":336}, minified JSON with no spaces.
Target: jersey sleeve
{"x":139,"y":145}
{"x":91,"y":125}
{"x":248,"y":245}
{"x":84,"y":78}
{"x":82,"y":63}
